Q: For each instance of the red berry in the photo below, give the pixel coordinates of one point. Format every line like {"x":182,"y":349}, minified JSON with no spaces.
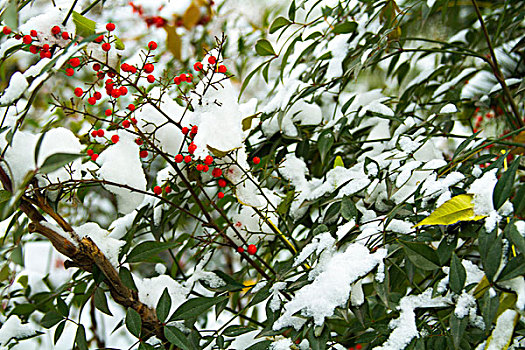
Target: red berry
{"x":125,"y":67}
{"x":131,"y":107}
{"x":99,"y":38}
{"x":94,"y":133}
{"x":109,"y":81}
{"x":133,"y":121}
{"x":126,"y":124}
{"x":194,"y":129}
{"x":110,"y":27}
{"x":90,"y":152}
{"x":100,"y":132}
{"x":115,"y":138}
{"x":74,"y":62}
{"x":100,"y":75}
{"x":27,"y":39}
{"x":78,"y":92}
{"x":138,"y":141}
{"x":65,"y":35}
{"x":152,"y":45}
{"x":123,"y":90}
{"x":151,"y":79}
{"x":47,"y":54}
{"x":222,"y":183}
{"x":182,"y":77}
{"x":216,"y":172}
{"x":189,"y":77}
{"x":148,"y":68}
{"x":358,"y":347}
{"x":192,"y":147}
{"x":197,"y":66}
{"x":205,"y":168}
{"x":94,"y":157}
{"x":252,"y":249}
{"x":239,"y":249}
{"x":106,"y":47}
{"x":55,"y":30}
{"x":185,"y":130}
{"x":69,"y":72}
{"x":167,"y":189}
{"x":143,"y":153}
{"x":222,"y":69}
{"x":199,"y":167}
{"x":108,"y":112}
{"x":97,"y":95}
{"x":133,"y":69}
{"x":92,"y":100}
{"x":208,"y":160}
{"x":176,"y":80}
{"x":33,"y":33}
{"x":212,"y":60}
{"x":45,"y":47}
{"x":179,"y":158}
{"x":115,"y":93}
{"x":157,"y":190}
{"x":187,"y":159}
{"x":33,"y":49}
{"x":256,"y":160}
{"x":6,"y":30}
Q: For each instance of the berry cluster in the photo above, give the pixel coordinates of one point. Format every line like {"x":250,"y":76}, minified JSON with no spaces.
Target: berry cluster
{"x":44,"y":50}
{"x":251,"y":249}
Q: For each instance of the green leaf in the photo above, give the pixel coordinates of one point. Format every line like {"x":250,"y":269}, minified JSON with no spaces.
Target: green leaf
{"x":10,"y":14}
{"x":489,"y":307}
{"x":101,"y":302}
{"x":421,"y":255}
{"x":291,"y":11}
{"x":504,"y":185}
{"x":514,"y":268}
{"x":248,"y":78}
{"x":262,"y":345}
{"x":490,"y":245}
{"x":325,"y":143}
{"x":194,"y":307}
{"x":50,"y":319}
{"x":84,"y":26}
{"x":519,"y":202}
{"x":457,"y":329}
{"x":164,"y":305}
{"x":58,"y":331}
{"x":264,"y":48}
{"x":62,"y":307}
{"x":176,"y":337}
{"x":458,"y":208}
{"x":278,"y":23}
{"x":457,"y":275}
{"x":348,"y":208}
{"x":262,"y":294}
{"x":57,"y":161}
{"x":133,"y":322}
{"x":512,"y":233}
{"x":127,"y":278}
{"x":233,"y":331}
{"x":5,"y":196}
{"x":146,"y":250}
{"x":345,"y":27}
{"x":80,"y":338}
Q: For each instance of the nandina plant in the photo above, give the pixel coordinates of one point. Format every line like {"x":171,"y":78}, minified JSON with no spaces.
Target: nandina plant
{"x":366,"y":193}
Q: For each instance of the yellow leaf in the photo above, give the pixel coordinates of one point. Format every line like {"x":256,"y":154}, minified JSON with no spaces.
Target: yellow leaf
{"x":247,"y":122}
{"x":338,"y":162}
{"x":191,"y":16}
{"x":458,"y":208}
{"x":218,"y":153}
{"x":173,"y":41}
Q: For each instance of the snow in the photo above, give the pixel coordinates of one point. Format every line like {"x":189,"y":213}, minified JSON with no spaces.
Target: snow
{"x":502,"y":333}
{"x":405,"y":325}
{"x":282,"y":344}
{"x":17,"y":85}
{"x":464,"y":303}
{"x":517,"y":285}
{"x":482,"y":190}
{"x":275,"y":301}
{"x":110,"y":247}
{"x":123,"y":155}
{"x":448,"y":108}
{"x":333,"y":281}
{"x":520,"y":226}
{"x":13,"y":328}
{"x":120,"y":227}
{"x":199,"y":274}
{"x":150,"y":290}
{"x":160,"y":268}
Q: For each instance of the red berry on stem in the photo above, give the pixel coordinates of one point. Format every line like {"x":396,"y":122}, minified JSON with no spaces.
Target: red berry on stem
{"x":148,"y":68}
{"x":143,"y":153}
{"x":108,"y":112}
{"x":69,"y":72}
{"x":167,"y":189}
{"x":131,"y":107}
{"x":185,"y":130}
{"x":33,"y":49}
{"x":176,"y":80}
{"x":194,"y":129}
{"x":33,"y":33}
{"x":358,"y":347}
{"x":110,"y":27}
{"x":239,"y":249}
{"x":123,"y":90}
{"x":192,"y":147}
{"x":126,"y":124}
{"x":222,"y":183}
{"x":100,"y":132}
{"x":212,"y":60}
{"x":221,"y":196}
{"x":115,"y":138}
{"x":74,"y":62}
{"x":78,"y":92}
{"x":106,"y":47}
{"x":97,"y":95}
{"x":151,"y":79}
{"x":216,"y":172}
{"x":47,"y":54}
{"x":187,"y":159}
{"x":90,"y":152}
{"x":205,"y":168}
{"x":115,"y":93}
{"x":256,"y":160}
{"x":94,"y":157}
{"x":100,"y":75}
{"x":179,"y":158}
{"x":208,"y":160}
{"x":55,"y":30}
{"x":6,"y":30}
{"x":99,"y":38}
{"x":138,"y":141}
{"x":222,"y":69}
{"x":199,"y":167}
{"x":92,"y":100}
{"x":152,"y":45}
{"x":252,"y":249}
{"x":94,"y":133}
{"x":27,"y":39}
{"x":157,"y":190}
{"x":189,"y":77}
{"x":182,"y":77}
{"x":45,"y":47}
{"x":133,"y":121}
{"x":65,"y":35}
